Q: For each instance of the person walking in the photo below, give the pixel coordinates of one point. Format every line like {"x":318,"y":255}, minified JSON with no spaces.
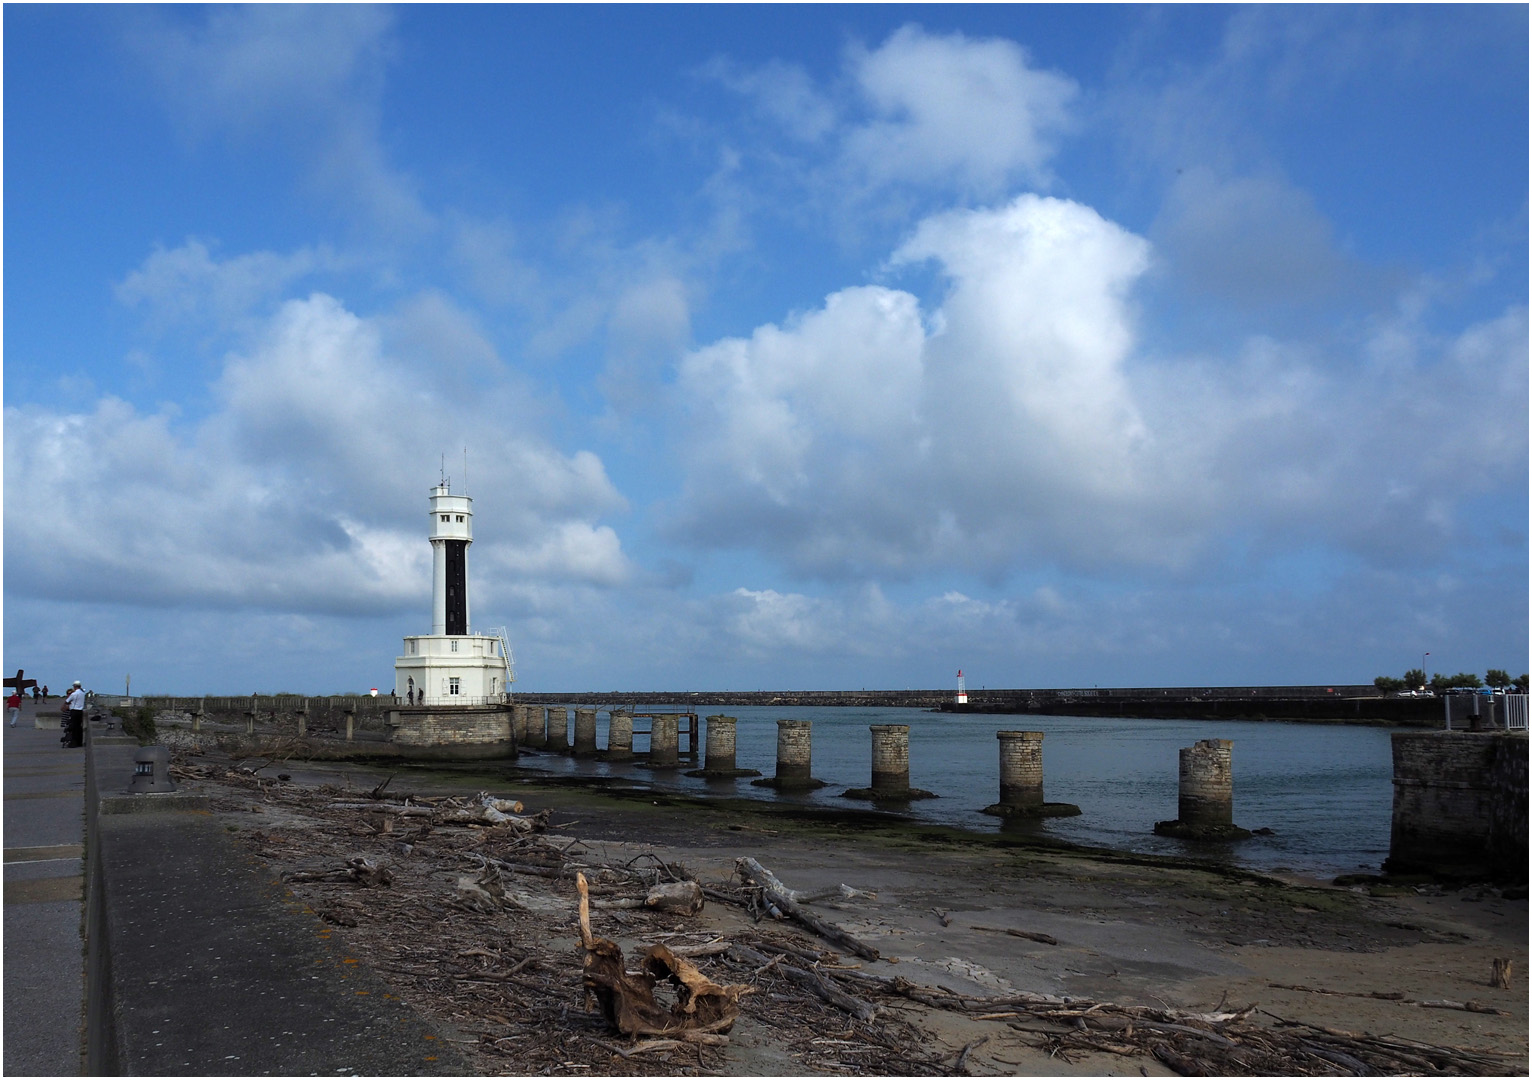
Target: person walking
{"x":74,"y":735}
{"x":13,"y":706}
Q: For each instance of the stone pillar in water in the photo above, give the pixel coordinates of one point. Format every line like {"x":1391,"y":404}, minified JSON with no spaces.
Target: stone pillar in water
{"x":537,"y":728}
{"x":1207,"y":784}
{"x":1021,"y":768}
{"x":619,"y":736}
{"x":664,"y":742}
{"x":558,"y":727}
{"x":795,"y":752}
{"x":1205,"y":807}
{"x":720,"y":744}
{"x":585,"y":731}
{"x":890,"y":757}
{"x":1021,"y":779}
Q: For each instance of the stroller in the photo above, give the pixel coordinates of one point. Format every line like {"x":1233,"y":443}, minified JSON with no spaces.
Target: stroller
{"x":71,"y":738}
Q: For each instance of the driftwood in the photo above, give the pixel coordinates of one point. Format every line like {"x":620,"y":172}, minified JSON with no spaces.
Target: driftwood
{"x":770,"y":881}
{"x":676,"y":897}
{"x":359,"y":869}
{"x":1500,"y":973}
{"x":1462,"y":1006}
{"x":433,"y":940}
{"x":702,"y":1007}
{"x":1046,"y":939}
{"x":820,"y":987}
{"x":777,"y":894}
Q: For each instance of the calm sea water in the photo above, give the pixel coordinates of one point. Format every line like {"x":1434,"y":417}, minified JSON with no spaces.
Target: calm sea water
{"x":1325,"y":790}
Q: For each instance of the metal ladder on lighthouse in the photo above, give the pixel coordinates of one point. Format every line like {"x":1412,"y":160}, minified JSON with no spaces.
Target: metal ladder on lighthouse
{"x":505,"y":654}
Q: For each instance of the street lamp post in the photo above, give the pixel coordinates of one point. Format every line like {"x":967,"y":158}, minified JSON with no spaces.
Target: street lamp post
{"x":1423,"y":677}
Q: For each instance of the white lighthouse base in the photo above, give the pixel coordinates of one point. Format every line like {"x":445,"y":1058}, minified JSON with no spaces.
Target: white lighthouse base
{"x":456,"y":670}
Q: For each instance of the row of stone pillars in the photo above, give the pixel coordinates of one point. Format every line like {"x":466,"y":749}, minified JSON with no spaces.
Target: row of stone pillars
{"x":1205,"y":807}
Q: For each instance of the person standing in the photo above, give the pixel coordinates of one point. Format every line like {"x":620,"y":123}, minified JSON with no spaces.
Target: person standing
{"x":75,"y":734}
{"x":13,"y":706}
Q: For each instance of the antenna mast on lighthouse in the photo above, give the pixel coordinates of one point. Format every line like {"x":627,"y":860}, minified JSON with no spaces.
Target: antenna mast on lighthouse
{"x":962,"y":691}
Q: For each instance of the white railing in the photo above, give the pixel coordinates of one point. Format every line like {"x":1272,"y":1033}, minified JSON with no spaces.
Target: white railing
{"x":1507,"y":711}
{"x":455,"y":700}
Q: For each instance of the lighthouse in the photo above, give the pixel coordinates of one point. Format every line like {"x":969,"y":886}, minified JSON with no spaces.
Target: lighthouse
{"x":451,"y":665}
{"x":962,"y":690}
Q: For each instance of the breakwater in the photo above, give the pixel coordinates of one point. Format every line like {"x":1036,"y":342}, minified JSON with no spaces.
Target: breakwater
{"x":1325,"y":704}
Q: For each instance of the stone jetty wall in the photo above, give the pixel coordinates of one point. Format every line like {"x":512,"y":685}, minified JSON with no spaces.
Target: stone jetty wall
{"x":1460,"y":804}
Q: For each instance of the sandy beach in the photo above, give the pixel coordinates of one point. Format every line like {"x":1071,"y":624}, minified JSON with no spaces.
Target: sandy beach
{"x":477,"y":929}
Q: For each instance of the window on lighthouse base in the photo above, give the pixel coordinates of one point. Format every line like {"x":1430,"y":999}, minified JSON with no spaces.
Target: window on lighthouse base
{"x":452,"y":685}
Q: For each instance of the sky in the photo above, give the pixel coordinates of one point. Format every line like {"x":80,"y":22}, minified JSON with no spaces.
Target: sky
{"x":779,"y":347}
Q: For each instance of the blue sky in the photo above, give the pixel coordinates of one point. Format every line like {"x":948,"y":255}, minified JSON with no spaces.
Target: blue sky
{"x":792,"y":347}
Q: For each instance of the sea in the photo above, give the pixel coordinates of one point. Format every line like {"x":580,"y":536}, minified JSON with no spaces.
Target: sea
{"x":1324,"y":790}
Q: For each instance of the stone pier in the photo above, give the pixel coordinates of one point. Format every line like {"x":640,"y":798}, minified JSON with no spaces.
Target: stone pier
{"x":1460,"y":805}
{"x":619,"y":736}
{"x":1021,"y":779}
{"x":890,"y":766}
{"x":536,"y":732}
{"x":664,"y":742}
{"x":558,"y":727}
{"x":719,"y":762}
{"x":795,"y":754}
{"x":1205,"y":807}
{"x":585,"y":731}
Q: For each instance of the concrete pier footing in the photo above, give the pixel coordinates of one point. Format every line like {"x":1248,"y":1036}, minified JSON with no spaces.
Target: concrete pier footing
{"x":1205,"y":806}
{"x":719,"y":758}
{"x":890,"y":766}
{"x":585,"y":731}
{"x":558,"y":727}
{"x":664,"y":742}
{"x":619,"y":736}
{"x":1021,"y":779}
{"x":795,"y":757}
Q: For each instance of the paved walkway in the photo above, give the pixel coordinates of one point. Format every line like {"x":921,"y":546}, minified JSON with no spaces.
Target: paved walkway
{"x":44,"y":834}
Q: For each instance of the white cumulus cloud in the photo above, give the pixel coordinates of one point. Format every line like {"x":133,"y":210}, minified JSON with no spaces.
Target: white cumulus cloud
{"x":1021,"y":423}
{"x":304,"y":489}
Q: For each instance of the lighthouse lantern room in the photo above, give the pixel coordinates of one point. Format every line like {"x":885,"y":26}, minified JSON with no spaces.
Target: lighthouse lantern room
{"x":451,"y":665}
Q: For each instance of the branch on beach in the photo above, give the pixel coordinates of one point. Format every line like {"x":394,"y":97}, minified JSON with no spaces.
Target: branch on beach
{"x":781,"y":897}
{"x":1046,"y":939}
{"x":702,"y":1007}
{"x":1461,"y":1006}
